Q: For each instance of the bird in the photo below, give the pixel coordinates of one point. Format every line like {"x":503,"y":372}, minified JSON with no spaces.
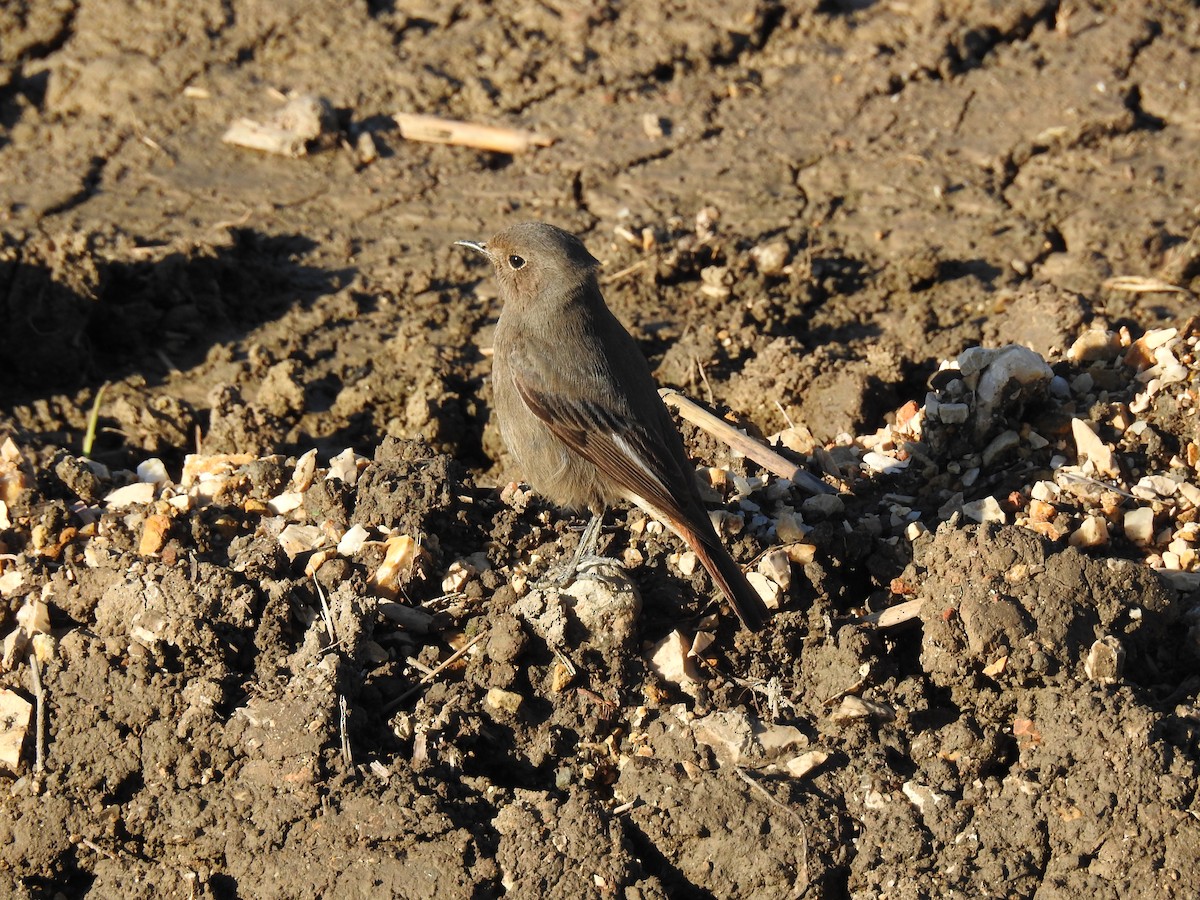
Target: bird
{"x":577,"y":405}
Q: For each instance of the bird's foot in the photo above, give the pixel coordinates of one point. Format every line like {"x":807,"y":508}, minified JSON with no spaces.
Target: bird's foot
{"x":579,"y":568}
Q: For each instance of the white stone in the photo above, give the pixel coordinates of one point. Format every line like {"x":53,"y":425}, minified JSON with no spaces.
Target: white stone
{"x":670,"y":661}
{"x":131,"y":495}
{"x":1001,"y":444}
{"x":768,"y":590}
{"x":153,"y":471}
{"x":1089,"y":446}
{"x":883,"y":464}
{"x":984,"y":510}
{"x":1139,"y":525}
{"x":1012,"y":364}
{"x":954,"y":413}
{"x":823,"y":506}
{"x":975,"y":359}
{"x":1046,"y":491}
{"x":777,"y":565}
{"x":1093,"y":532}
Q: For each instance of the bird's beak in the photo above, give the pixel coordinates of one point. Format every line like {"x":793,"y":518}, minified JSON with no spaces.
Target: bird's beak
{"x":476,"y":245}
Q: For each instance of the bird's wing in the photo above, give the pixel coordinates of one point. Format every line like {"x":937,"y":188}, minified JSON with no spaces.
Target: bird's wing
{"x":625,"y":452}
{"x":615,"y":444}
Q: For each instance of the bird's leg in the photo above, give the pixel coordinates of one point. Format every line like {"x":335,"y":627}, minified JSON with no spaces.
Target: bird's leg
{"x":585,"y":554}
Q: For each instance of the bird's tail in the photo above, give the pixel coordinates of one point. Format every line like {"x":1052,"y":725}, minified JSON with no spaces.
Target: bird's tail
{"x":729,"y":577}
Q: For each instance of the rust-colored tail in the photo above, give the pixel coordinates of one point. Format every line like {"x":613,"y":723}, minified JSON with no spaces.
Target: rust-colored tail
{"x":730,"y":579}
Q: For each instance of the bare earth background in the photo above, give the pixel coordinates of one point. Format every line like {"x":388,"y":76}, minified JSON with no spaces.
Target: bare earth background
{"x":892,"y":184}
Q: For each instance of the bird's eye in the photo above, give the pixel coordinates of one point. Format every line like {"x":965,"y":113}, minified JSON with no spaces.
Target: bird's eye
{"x":516,"y":262}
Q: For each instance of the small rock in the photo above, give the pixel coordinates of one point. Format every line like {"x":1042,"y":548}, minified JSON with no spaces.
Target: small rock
{"x":140,"y":492}
{"x":730,"y":734}
{"x":1041,"y":511}
{"x":1003,"y":443}
{"x":502,"y":701}
{"x":805,"y":763}
{"x":1095,"y":345}
{"x":1083,"y":383}
{"x":777,"y":740}
{"x":801,"y":554}
{"x":1139,"y":525}
{"x":954,"y":413}
{"x":285,"y":503}
{"x":1092,"y":533}
{"x":410,"y":618}
{"x":768,"y":590}
{"x":1105,"y":661}
{"x":883,"y":464}
{"x":15,"y":713}
{"x":1015,"y":374}
{"x":353,"y":540}
{"x":463,"y":570}
{"x":302,"y":476}
{"x":686,"y":563}
{"x":790,"y":528}
{"x":1140,"y":354}
{"x":1152,"y":486}
{"x":923,"y":797}
{"x":344,"y":467}
{"x":366,"y":148}
{"x":985,"y":510}
{"x":607,"y":605}
{"x":153,"y":471}
{"x":1044,"y":490}
{"x":670,"y":661}
{"x":1089,"y":446}
{"x":655,"y":126}
{"x":297,"y":539}
{"x":154,"y":534}
{"x":771,"y":257}
{"x":403,"y":557}
{"x":853,"y":709}
{"x":823,"y":506}
{"x":974,"y":360}
{"x":777,"y":565}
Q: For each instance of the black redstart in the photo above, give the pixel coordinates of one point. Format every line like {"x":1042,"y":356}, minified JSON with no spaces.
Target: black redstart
{"x":578,"y":407}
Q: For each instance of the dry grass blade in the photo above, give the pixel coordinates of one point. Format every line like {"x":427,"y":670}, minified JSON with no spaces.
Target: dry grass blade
{"x":1139,"y":284}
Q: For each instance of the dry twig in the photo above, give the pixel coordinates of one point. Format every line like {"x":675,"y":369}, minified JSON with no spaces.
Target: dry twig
{"x":449,"y":661}
{"x":747,"y":446}
{"x":436,"y":130}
